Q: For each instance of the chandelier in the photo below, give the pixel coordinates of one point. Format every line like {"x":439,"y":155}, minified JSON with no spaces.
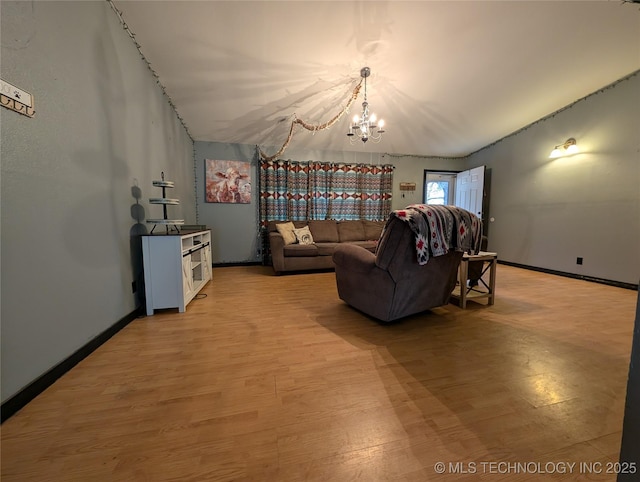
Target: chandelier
{"x":364,"y":126}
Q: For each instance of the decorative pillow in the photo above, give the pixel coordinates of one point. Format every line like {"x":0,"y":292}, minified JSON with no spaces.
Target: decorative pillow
{"x":286,"y":231}
{"x":303,"y":235}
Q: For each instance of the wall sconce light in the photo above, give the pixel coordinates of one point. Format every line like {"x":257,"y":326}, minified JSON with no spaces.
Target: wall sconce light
{"x":568,"y":148}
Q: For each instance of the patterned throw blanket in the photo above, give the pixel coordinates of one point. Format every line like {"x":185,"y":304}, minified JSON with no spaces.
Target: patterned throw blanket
{"x":439,"y":229}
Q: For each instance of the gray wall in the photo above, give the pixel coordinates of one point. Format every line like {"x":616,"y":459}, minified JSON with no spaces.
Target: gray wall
{"x":235,"y":227}
{"x":548,"y":212}
{"x":76,"y":179}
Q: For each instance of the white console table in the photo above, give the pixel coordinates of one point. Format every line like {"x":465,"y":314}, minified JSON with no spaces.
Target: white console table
{"x":176,"y":268}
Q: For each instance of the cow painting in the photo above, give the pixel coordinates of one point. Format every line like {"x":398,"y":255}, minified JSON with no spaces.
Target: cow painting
{"x":228,"y":182}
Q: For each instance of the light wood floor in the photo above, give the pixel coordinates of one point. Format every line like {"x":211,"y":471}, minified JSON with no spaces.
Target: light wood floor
{"x":275,"y":379}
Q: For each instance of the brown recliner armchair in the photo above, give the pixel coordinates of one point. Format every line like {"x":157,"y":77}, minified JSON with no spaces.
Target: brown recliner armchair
{"x":390,"y":284}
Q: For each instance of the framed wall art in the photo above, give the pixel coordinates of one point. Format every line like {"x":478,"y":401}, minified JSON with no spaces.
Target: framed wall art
{"x":227,"y":181}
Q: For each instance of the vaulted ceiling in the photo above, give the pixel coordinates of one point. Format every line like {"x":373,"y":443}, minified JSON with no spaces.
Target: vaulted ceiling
{"x":448,"y":77}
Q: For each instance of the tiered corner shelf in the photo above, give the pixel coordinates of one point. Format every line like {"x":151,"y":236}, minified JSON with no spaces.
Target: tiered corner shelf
{"x":165,"y":201}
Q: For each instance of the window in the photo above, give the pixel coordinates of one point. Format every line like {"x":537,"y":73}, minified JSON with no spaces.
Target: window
{"x":439,"y":187}
{"x":437,"y":192}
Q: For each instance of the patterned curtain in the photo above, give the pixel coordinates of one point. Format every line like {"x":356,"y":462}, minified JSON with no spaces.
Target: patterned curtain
{"x":283,"y":190}
{"x":360,"y":191}
{"x":320,"y":175}
{"x":300,"y":191}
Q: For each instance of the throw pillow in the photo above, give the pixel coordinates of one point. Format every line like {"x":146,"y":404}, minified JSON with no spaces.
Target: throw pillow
{"x":286,"y":231}
{"x":303,"y":235}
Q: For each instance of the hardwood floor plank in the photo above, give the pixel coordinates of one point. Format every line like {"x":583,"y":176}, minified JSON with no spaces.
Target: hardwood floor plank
{"x":275,"y":378}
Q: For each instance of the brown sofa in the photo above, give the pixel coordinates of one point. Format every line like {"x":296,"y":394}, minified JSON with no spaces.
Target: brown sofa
{"x":327,"y":235}
{"x":390,"y":284}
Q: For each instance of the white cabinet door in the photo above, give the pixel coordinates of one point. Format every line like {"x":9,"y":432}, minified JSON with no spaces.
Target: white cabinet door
{"x":187,"y":278}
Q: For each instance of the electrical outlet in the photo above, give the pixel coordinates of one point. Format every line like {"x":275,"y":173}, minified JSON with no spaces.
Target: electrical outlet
{"x":579,"y":261}
{"x":134,"y":287}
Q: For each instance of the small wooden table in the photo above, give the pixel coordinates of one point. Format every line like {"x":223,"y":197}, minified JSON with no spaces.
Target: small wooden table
{"x":464,"y":292}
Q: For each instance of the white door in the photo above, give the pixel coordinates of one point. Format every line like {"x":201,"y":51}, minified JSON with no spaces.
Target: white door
{"x":470,"y":190}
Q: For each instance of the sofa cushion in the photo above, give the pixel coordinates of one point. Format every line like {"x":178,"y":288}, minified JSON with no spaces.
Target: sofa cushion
{"x":303,"y":235}
{"x":351,"y":231}
{"x":373,"y":229}
{"x":326,"y":249}
{"x":324,"y":231}
{"x":300,"y":250}
{"x":286,"y":231}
